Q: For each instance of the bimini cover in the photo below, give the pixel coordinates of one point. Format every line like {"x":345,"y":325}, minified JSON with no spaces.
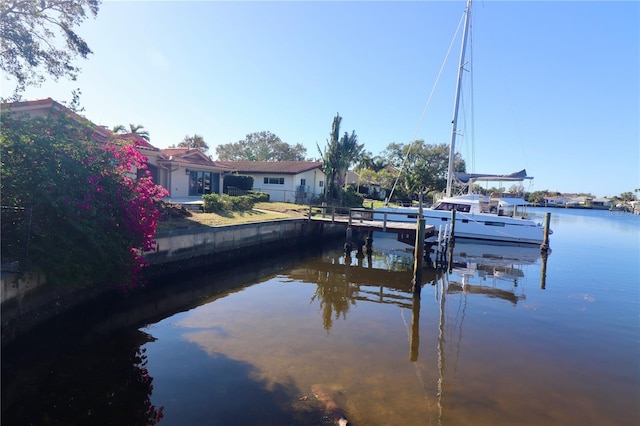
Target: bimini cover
{"x":475,"y":177}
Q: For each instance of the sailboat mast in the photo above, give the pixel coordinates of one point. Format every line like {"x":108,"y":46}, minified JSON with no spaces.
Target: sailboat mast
{"x":454,"y":122}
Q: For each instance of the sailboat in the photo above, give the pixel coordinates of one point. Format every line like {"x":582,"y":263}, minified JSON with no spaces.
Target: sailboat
{"x":497,"y":217}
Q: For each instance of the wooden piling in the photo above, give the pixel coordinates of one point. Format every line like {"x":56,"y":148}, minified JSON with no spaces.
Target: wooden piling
{"x":418,"y":249}
{"x":418,"y":254}
{"x":545,"y":244}
{"x":348,"y":245}
{"x":453,"y":224}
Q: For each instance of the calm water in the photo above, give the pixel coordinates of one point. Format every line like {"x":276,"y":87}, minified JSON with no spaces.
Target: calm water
{"x":506,"y":338}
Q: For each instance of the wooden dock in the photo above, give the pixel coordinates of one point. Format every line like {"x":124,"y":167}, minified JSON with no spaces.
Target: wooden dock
{"x":362,"y":221}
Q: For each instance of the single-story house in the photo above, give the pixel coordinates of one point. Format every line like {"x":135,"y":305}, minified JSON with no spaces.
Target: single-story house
{"x":560,"y":200}
{"x":183,"y":172}
{"x":188,"y":172}
{"x":288,"y":181}
{"x":602,"y":203}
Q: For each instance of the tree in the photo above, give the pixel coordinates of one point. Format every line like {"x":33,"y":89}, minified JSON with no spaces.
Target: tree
{"x":29,"y":48}
{"x":91,"y":215}
{"x":423,"y":167}
{"x":338,"y":156}
{"x":196,"y":141}
{"x":261,"y":146}
{"x":136,"y":129}
{"x":370,"y":162}
{"x":627,"y":196}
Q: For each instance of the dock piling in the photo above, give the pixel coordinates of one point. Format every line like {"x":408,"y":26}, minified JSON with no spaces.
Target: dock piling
{"x":545,"y":244}
{"x":419,"y":249}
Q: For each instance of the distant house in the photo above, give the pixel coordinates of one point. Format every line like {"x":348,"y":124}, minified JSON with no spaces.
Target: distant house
{"x":288,"y":181}
{"x":601,"y":203}
{"x":556,"y":201}
{"x":579,"y":201}
{"x":373,"y":189}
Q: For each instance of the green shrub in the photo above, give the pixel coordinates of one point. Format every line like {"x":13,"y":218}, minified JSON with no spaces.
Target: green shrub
{"x":259,"y":197}
{"x":213,"y":203}
{"x":239,"y":204}
{"x":353,"y":199}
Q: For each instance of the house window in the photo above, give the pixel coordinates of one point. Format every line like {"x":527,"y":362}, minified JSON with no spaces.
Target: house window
{"x":303,"y":182}
{"x":273,"y":181}
{"x":203,"y":183}
{"x":321,"y":183}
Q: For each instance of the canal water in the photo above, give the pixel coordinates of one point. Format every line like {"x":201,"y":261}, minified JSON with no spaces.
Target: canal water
{"x":505,"y":338}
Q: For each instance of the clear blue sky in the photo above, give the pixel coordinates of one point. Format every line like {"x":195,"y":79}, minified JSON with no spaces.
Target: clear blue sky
{"x":556,"y":84}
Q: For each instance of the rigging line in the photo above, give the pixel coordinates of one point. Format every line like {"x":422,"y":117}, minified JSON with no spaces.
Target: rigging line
{"x":433,"y":89}
{"x":426,"y":106}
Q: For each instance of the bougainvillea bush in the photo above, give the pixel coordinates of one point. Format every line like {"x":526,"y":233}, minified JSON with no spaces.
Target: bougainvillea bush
{"x":93,"y":206}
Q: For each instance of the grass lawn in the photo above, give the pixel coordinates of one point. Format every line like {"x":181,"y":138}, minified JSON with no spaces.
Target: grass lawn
{"x":261,"y":212}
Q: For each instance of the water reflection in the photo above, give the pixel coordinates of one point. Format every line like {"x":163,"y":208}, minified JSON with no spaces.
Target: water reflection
{"x":252,"y":345}
{"x":493,"y":270}
{"x":343,"y":281}
{"x":386,"y":276}
{"x":79,"y":387}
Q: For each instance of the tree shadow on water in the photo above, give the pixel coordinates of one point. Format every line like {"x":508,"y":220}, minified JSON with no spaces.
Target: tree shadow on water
{"x":111,"y":382}
{"x":106,"y":383}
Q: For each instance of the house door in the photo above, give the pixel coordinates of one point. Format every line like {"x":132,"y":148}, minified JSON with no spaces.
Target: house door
{"x":203,"y":183}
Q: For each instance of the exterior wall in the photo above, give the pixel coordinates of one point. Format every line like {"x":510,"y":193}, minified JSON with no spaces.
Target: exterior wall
{"x":15,"y":286}
{"x":313,"y":179}
{"x":289,"y":191}
{"x":277,"y":192}
{"x":179,"y":183}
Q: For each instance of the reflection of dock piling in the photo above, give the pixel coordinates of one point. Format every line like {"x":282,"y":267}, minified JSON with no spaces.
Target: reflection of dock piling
{"x":543,"y":269}
{"x":414,"y":343}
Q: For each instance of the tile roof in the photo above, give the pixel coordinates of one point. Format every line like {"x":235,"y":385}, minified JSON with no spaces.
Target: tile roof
{"x":192,"y":156}
{"x":282,"y":167}
{"x":137,"y":140}
{"x":29,"y":107}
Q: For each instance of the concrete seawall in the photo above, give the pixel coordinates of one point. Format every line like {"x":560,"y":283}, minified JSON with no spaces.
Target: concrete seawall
{"x":28,"y":301}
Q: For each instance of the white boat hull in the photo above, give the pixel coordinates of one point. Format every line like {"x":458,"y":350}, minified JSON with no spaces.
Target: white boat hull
{"x":486,"y":227}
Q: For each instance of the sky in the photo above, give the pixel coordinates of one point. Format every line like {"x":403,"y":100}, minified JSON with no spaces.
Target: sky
{"x":556,"y":84}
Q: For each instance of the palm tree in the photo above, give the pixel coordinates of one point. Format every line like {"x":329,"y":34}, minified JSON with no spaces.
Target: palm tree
{"x":338,"y":157}
{"x":136,"y":129}
{"x":119,"y":129}
{"x":195,"y":141}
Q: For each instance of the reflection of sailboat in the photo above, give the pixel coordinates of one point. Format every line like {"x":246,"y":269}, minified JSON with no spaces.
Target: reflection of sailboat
{"x":481,"y":267}
{"x":500,"y":218}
